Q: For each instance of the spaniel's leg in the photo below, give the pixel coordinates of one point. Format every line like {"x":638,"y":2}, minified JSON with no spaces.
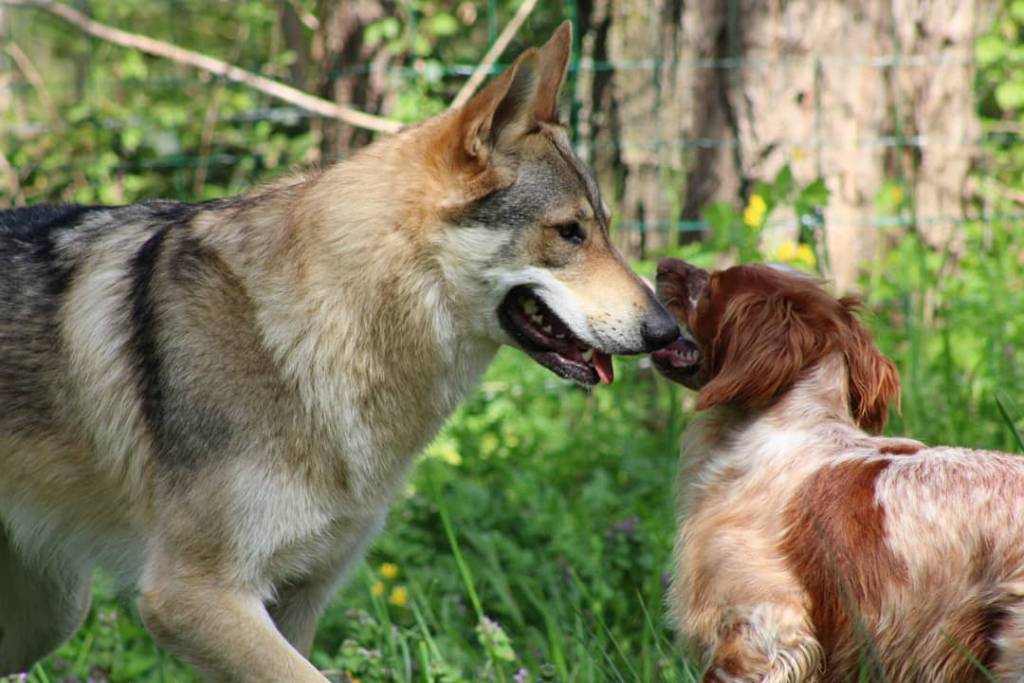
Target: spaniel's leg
{"x":765,"y":643}
{"x":1009,"y":642}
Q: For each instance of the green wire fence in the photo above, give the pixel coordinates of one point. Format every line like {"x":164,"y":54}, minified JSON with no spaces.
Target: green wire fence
{"x":17,"y":87}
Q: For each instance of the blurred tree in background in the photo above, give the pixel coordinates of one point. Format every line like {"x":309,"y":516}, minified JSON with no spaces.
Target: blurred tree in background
{"x":674,"y":104}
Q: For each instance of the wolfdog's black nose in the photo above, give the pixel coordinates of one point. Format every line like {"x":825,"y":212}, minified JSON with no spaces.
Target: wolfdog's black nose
{"x":658,"y":329}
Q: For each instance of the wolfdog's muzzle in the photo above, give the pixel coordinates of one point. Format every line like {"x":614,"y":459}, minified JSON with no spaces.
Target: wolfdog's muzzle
{"x":549,"y":341}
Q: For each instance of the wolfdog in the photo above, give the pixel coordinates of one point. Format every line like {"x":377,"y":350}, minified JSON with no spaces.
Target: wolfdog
{"x":217,"y":401}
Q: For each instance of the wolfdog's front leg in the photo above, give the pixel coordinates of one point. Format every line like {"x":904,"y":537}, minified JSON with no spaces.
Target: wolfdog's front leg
{"x":299,"y":604}
{"x":225,"y":633}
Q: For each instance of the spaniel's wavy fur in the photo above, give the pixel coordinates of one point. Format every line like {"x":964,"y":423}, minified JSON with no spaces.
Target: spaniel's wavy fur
{"x":808,"y":549}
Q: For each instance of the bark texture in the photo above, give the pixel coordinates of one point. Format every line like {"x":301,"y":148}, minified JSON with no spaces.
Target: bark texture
{"x":358,"y":74}
{"x":682,"y":103}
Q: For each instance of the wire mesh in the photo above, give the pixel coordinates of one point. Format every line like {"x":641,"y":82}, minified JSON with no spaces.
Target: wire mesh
{"x":15,"y":86}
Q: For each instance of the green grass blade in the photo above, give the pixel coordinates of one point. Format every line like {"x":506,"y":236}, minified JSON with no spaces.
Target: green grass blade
{"x":40,"y":674}
{"x":1009,"y":422}
{"x":467,"y":576}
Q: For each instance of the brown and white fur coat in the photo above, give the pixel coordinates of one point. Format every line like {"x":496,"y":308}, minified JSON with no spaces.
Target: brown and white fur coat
{"x":808,"y":549}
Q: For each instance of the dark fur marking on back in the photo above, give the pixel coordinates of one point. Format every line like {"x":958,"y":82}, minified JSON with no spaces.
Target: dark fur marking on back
{"x":175,"y":212}
{"x":145,"y":318}
{"x":144,"y":333}
{"x":40,"y":248}
{"x":185,"y":425}
{"x":26,"y":220}
{"x":32,"y":231}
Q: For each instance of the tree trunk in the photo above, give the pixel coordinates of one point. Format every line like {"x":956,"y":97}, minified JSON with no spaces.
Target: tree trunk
{"x":353,"y":72}
{"x":936,"y":104}
{"x":294,"y":33}
{"x":623,"y":111}
{"x":739,"y":88}
{"x":6,"y":68}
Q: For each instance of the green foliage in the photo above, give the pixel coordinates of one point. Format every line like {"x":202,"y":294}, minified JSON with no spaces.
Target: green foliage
{"x":129,"y":126}
{"x":999,"y":92}
{"x":1000,"y":54}
{"x":954,"y":328}
{"x":740,"y":233}
{"x":120,"y":126}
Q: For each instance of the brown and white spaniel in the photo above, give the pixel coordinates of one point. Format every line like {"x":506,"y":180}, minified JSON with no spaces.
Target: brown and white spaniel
{"x":808,"y":549}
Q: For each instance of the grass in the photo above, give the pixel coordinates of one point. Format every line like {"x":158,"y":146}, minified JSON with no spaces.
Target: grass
{"x":533,"y":541}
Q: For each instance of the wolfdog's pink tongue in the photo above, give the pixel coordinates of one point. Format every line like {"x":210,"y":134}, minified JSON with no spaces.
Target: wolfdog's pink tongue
{"x":603,"y":365}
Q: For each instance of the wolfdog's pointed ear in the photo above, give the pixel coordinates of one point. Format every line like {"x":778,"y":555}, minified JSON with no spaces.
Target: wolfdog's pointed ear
{"x":553,"y":61}
{"x":516,"y":101}
{"x":495,"y":119}
{"x":503,"y":111}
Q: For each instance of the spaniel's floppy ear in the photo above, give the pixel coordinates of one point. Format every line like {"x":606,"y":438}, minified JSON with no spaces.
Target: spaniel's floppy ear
{"x":760,"y":348}
{"x":874,"y":380}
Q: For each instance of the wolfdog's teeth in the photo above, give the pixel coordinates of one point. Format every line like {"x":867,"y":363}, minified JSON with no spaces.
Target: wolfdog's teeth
{"x":530,"y":306}
{"x":547,"y":329}
{"x":559,"y":336}
{"x":537,"y":318}
{"x":588,"y":354}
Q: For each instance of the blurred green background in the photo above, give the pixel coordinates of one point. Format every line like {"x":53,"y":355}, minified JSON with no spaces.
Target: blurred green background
{"x":533,"y":542}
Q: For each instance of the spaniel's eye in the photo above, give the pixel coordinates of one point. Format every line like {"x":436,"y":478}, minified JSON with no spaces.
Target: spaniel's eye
{"x":571,"y":232}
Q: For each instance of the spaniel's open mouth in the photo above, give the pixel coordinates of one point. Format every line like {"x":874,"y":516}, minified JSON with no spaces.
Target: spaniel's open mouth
{"x":679,"y":362}
{"x":548,"y":340}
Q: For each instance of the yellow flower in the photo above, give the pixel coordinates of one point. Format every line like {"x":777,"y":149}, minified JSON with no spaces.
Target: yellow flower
{"x":389,"y":570}
{"x":786,"y":252}
{"x":399,"y":596}
{"x":451,"y":456}
{"x":791,"y":252}
{"x":895,"y":194}
{"x":377,"y":588}
{"x":798,"y":153}
{"x":753,"y":215}
{"x":805,"y":255}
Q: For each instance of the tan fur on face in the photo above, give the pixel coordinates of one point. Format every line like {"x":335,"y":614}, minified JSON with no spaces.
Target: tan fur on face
{"x":588,"y":285}
{"x":809,"y":550}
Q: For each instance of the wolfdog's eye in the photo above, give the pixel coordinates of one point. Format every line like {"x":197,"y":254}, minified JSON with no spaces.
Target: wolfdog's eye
{"x":571,"y":232}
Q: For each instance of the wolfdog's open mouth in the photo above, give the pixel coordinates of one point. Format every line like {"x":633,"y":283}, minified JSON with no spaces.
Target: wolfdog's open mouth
{"x":548,"y":340}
